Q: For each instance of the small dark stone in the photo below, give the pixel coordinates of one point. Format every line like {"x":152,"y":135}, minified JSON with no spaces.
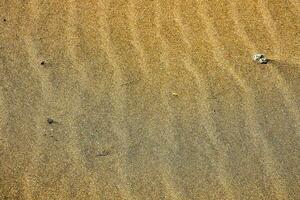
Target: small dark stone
{"x":43,"y":63}
{"x":4,"y":20}
{"x":50,"y":121}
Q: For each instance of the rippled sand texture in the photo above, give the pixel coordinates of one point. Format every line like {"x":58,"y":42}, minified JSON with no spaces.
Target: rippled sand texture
{"x":151,"y":99}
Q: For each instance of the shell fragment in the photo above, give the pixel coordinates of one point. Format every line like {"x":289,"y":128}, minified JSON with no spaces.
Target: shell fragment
{"x":260,"y":58}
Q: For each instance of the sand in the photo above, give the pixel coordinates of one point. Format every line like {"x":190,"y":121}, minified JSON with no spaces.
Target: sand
{"x":137,"y":99}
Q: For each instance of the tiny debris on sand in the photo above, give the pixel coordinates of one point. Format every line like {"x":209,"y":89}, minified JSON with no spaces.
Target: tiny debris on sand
{"x":50,"y":121}
{"x":260,"y":58}
{"x":175,"y":94}
{"x":103,"y":153}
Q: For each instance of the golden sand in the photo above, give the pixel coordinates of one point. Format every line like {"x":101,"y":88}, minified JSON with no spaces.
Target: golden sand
{"x":137,"y":99}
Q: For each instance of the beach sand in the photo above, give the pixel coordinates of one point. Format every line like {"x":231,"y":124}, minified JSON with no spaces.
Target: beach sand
{"x":137,"y":99}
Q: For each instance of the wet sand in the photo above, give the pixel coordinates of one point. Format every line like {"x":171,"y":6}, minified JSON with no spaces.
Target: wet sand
{"x":149,"y":99}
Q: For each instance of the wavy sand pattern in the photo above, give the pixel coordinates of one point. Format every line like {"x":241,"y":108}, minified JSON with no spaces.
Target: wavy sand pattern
{"x":151,"y":99}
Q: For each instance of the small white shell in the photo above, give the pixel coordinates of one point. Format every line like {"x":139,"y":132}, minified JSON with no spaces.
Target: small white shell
{"x":260,"y":58}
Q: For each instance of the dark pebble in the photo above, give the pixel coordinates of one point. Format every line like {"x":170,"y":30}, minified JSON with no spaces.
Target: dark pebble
{"x":50,"y":121}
